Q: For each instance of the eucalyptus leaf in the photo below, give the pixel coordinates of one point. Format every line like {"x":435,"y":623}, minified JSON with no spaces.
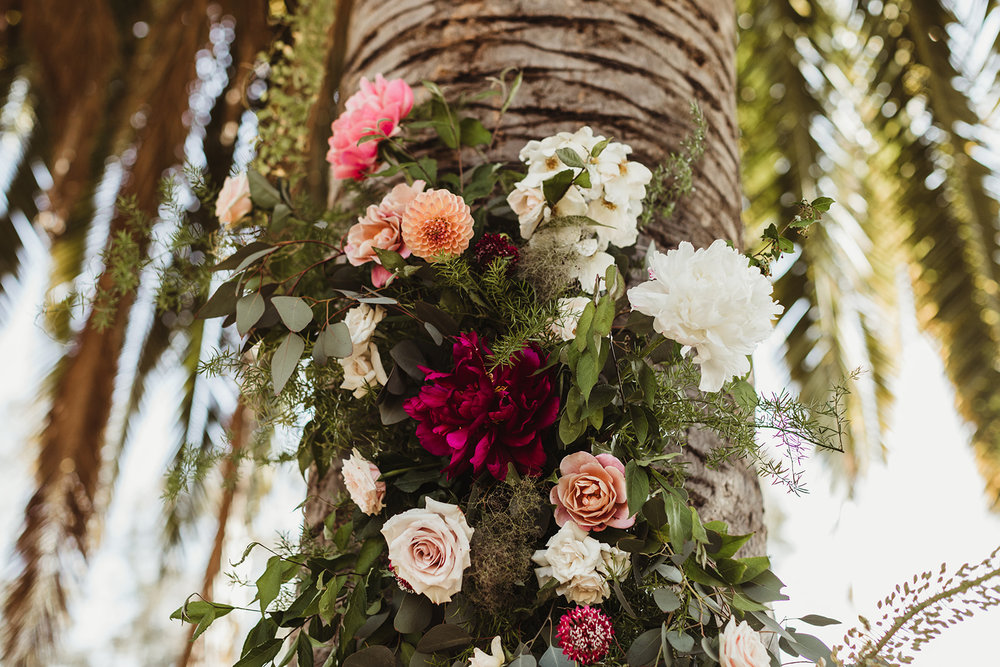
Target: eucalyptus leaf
{"x":248,"y":311}
{"x":294,"y":312}
{"x":644,"y":649}
{"x":415,"y":612}
{"x":817,"y":620}
{"x":262,"y":193}
{"x":336,"y":340}
{"x":234,"y":260}
{"x":373,"y":656}
{"x":681,"y":641}
{"x":523,"y":660}
{"x":666,"y":600}
{"x":223,"y":300}
{"x":444,"y":637}
{"x":285,"y":360}
{"x":554,"y":657}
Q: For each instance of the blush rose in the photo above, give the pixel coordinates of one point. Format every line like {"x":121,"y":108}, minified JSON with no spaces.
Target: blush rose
{"x":429,"y":548}
{"x":741,"y":646}
{"x":233,"y":203}
{"x":362,"y":483}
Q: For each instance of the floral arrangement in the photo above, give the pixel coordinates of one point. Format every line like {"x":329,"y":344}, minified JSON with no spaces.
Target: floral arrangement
{"x":504,"y":412}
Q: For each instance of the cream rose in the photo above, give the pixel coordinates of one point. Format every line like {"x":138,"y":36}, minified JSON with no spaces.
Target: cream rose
{"x":361,"y":322}
{"x":741,"y":646}
{"x":495,"y":658}
{"x":568,"y":553}
{"x":233,"y":202}
{"x":363,"y":370}
{"x":615,"y":563}
{"x":590,"y":588}
{"x":429,"y":548}
{"x":362,"y":483}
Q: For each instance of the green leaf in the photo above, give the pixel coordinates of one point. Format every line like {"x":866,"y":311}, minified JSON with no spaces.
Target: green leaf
{"x":681,"y":641}
{"x":262,"y":193}
{"x":555,"y":187}
{"x":732,"y":571}
{"x":370,"y":551}
{"x":278,"y":218}
{"x":636,"y":486}
{"x":822,"y":204}
{"x":639,"y":423}
{"x":755,"y":566}
{"x":697,"y":530}
{"x":338,"y":340}
{"x":644,"y":649}
{"x":554,"y":657}
{"x":354,"y":616}
{"x":373,"y":656}
{"x":415,"y":612}
{"x":743,"y":603}
{"x":586,"y":373}
{"x":570,"y":158}
{"x":523,"y":660}
{"x":237,"y":257}
{"x":669,"y":572}
{"x":390,"y":259}
{"x":666,"y":600}
{"x":328,"y":600}
{"x":294,"y":312}
{"x":583,"y":326}
{"x":442,"y":638}
{"x":261,"y":654}
{"x":744,"y":394}
{"x":248,"y":312}
{"x":604,"y":317}
{"x":731,"y":544}
{"x":599,"y":147}
{"x":570,"y":429}
{"x":223,"y":302}
{"x":277,"y":572}
{"x":473,"y":133}
{"x":817,"y":620}
{"x":583,"y":179}
{"x":285,"y":360}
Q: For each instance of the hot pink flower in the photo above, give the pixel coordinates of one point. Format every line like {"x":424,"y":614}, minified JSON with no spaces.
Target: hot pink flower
{"x":591,"y":492}
{"x":380,"y":228}
{"x":486,"y":419}
{"x":380,"y":104}
{"x":585,"y":634}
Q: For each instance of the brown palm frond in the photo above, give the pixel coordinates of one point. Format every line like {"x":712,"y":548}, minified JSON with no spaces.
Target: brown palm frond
{"x":58,"y":514}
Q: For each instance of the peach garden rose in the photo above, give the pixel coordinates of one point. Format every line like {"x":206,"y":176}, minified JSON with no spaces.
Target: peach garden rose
{"x":591,"y":492}
{"x":429,"y":548}
{"x":381,"y":228}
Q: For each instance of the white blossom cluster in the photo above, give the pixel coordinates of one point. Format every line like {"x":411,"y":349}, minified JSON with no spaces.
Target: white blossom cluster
{"x":363,"y":369}
{"x":580,"y":565}
{"x":613,"y":199}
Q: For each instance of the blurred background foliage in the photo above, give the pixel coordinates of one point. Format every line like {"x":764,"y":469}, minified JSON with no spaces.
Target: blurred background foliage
{"x":888,"y":106}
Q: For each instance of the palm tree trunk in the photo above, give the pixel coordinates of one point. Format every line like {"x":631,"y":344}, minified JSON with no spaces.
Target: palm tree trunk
{"x":630,"y":69}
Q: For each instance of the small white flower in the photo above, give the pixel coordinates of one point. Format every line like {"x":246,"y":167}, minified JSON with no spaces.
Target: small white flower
{"x":571,"y":555}
{"x":711,"y":300}
{"x":495,"y":658}
{"x":590,"y":588}
{"x":528,"y":203}
{"x":363,"y":370}
{"x":570,"y":310}
{"x":615,"y":563}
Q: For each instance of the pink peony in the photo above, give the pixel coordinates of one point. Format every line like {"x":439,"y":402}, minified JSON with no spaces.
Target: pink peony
{"x":486,"y":419}
{"x":591,"y":492}
{"x":380,"y":228}
{"x":375,"y":109}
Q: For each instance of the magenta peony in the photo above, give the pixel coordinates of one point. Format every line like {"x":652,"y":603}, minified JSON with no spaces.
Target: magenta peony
{"x":380,"y":104}
{"x":486,"y":419}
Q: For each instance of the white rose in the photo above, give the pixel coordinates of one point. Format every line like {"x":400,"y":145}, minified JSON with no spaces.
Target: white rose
{"x":711,"y":300}
{"x":362,"y":483}
{"x":568,"y":553}
{"x":481,"y":658}
{"x":615,"y":563}
{"x":617,"y":226}
{"x":590,"y":588}
{"x":233,"y":202}
{"x":570,"y":310}
{"x":429,"y":548}
{"x":361,"y":321}
{"x":741,"y":646}
{"x":528,"y":204}
{"x":363,"y":370}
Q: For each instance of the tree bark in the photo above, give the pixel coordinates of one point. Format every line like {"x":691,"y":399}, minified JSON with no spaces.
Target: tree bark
{"x":628,"y":69}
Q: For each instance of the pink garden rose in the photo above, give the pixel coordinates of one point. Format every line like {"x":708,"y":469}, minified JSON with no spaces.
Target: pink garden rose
{"x":380,"y":228}
{"x":429,"y":549}
{"x":362,"y":483}
{"x":591,"y":492}
{"x":233,"y":203}
{"x":741,"y":646}
{"x":380,"y":104}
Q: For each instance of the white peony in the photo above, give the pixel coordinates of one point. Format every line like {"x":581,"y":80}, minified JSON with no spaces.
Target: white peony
{"x":741,"y":646}
{"x":363,"y":370}
{"x":361,"y":321}
{"x":570,"y":310}
{"x":495,"y":658}
{"x":711,"y":300}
